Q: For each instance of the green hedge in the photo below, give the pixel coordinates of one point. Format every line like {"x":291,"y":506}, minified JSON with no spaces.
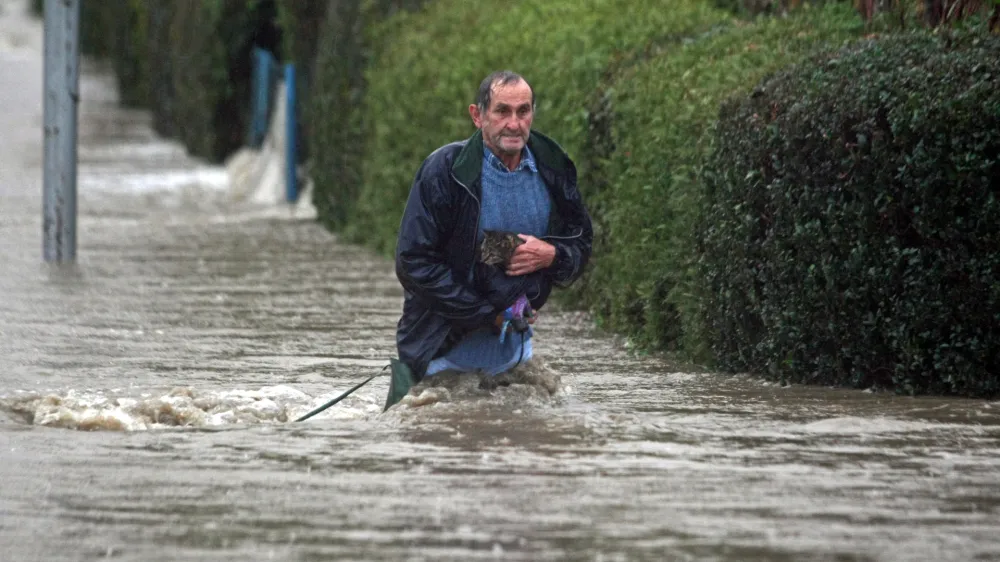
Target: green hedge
{"x":335,"y":110}
{"x":423,"y":75}
{"x":96,"y":23}
{"x":210,"y":60}
{"x":651,"y":133}
{"x":852,"y":232}
{"x":301,"y":22}
{"x":128,"y":48}
{"x":159,"y":66}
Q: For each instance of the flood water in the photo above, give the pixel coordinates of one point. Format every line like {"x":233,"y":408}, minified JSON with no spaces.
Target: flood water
{"x":146,"y":395}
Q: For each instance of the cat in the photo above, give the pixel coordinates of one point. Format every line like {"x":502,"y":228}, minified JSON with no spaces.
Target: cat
{"x":498,"y":247}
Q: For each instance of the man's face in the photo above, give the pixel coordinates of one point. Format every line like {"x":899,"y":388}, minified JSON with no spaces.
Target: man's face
{"x":507,"y":122}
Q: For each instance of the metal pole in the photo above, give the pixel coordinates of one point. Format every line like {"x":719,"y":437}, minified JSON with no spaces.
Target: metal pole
{"x":291,"y":136}
{"x":62,"y":88}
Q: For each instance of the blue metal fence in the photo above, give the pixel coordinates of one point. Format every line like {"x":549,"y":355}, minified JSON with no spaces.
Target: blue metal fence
{"x":291,"y":136}
{"x":264,"y":78}
{"x":266,"y":73}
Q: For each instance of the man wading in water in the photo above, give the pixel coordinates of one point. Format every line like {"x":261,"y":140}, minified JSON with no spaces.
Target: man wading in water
{"x":459,"y":314}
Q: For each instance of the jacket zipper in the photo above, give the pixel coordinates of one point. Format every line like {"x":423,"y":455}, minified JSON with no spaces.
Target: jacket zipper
{"x":479,"y":214}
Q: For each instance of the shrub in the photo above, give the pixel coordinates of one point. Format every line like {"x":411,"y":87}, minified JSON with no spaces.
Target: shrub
{"x":96,"y":28}
{"x":159,"y":69}
{"x":658,"y":112}
{"x":422,"y":81}
{"x":932,"y":13}
{"x":128,"y":49}
{"x":852,"y":226}
{"x":301,"y":23}
{"x":210,"y":46}
{"x":335,"y":109}
{"x":200,"y":78}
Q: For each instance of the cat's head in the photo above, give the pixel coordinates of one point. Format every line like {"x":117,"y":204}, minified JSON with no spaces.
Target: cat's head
{"x":498,"y":246}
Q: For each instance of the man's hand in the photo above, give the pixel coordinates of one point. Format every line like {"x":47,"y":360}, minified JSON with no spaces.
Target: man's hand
{"x":531,"y":256}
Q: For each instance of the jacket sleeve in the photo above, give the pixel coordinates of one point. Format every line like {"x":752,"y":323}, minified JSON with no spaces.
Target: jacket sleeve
{"x":421,"y":264}
{"x":573,"y":243}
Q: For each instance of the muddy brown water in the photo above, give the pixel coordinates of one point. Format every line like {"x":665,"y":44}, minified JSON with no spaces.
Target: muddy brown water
{"x":145,"y":394}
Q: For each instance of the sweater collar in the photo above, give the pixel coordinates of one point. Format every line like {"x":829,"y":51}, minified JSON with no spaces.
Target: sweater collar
{"x":468,"y":164}
{"x":527,"y":161}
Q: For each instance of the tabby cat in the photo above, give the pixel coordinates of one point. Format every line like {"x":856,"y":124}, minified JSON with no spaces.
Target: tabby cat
{"x":498,"y":246}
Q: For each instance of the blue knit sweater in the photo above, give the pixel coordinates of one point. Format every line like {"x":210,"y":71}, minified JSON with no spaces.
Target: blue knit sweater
{"x":515,"y":201}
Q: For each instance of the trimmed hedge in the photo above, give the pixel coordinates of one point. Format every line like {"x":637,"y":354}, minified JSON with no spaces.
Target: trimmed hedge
{"x":852,"y":226}
{"x":423,"y":79}
{"x":301,"y":22}
{"x":159,"y":71}
{"x":650,"y":137}
{"x":210,"y":46}
{"x":200,"y":79}
{"x":128,"y":48}
{"x":336,"y":111}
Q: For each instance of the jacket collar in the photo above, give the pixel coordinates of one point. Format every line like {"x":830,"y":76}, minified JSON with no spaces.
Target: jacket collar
{"x":468,"y":165}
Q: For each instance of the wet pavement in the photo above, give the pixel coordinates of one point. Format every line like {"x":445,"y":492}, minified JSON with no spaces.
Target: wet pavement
{"x":146,"y":393}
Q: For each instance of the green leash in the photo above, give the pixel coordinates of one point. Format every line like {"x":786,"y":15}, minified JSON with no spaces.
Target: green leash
{"x":341,"y":397}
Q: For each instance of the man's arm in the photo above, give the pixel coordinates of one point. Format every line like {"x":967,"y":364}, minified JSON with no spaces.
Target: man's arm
{"x":575,"y":240}
{"x":420,"y":259}
{"x":571,"y":255}
{"x":561,"y":258}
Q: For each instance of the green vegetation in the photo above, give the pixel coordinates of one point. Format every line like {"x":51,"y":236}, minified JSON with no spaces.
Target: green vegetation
{"x":852,"y":232}
{"x":655,"y":116}
{"x":301,"y":22}
{"x":210,"y":65}
{"x":336,"y":109}
{"x":128,"y":48}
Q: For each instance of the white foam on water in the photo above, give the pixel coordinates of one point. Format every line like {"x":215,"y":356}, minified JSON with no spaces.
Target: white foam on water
{"x":116,"y":152}
{"x":855,"y":425}
{"x":180,"y":407}
{"x":532,"y":384}
{"x":144,"y":182}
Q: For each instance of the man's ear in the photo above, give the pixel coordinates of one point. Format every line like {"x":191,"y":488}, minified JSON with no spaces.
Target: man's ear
{"x":477,"y":118}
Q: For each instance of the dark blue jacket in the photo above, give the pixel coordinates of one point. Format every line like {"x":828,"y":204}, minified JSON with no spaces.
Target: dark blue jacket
{"x":436,"y":249}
